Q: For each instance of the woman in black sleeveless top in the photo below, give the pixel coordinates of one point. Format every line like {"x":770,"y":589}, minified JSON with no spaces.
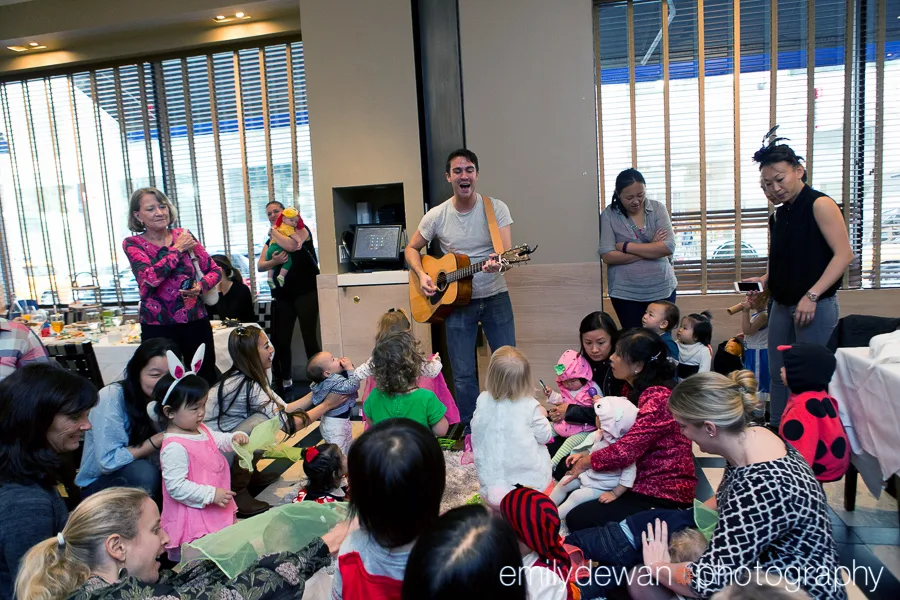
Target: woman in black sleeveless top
{"x":809,"y":251}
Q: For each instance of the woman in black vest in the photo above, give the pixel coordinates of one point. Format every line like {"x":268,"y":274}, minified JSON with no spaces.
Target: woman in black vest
{"x":808,"y":253}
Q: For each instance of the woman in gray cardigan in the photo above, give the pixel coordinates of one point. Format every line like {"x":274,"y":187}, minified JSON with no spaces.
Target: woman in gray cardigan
{"x":636,"y":243}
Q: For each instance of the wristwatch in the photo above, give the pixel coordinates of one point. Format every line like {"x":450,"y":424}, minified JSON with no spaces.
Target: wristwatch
{"x":812,"y":296}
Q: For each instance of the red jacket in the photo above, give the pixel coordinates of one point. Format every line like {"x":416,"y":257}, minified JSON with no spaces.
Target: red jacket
{"x":665,"y":461}
{"x":811,"y":424}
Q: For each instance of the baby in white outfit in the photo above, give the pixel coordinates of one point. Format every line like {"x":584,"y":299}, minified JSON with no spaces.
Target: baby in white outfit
{"x":615,"y":416}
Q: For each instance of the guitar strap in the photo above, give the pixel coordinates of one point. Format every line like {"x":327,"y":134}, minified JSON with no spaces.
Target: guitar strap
{"x":492,"y":224}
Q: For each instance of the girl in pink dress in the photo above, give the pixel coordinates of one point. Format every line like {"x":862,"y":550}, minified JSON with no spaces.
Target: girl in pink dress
{"x":197,"y":496}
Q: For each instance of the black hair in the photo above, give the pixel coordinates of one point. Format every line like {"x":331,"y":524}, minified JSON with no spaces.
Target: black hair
{"x":325,"y":471}
{"x":140,"y":425}
{"x":228,"y":270}
{"x":702,"y":323}
{"x":673,"y":315}
{"x":190,"y":391}
{"x":647,"y":348}
{"x":397,"y":472}
{"x":469,"y":553}
{"x":623,"y":180}
{"x":594,"y":321}
{"x":314,"y":370}
{"x":30,"y":398}
{"x":773,"y":152}
{"x":271,"y":202}
{"x":462,"y":153}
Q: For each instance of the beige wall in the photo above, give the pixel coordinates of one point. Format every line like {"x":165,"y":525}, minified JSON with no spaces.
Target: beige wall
{"x":363,"y":114}
{"x":528,"y":88}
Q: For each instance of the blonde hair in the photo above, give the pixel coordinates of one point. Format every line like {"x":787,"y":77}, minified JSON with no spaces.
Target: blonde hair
{"x":727,"y":402}
{"x":135,"y":206}
{"x":509,"y":374}
{"x":52,"y":571}
{"x":395,"y":319}
{"x":687,"y":545}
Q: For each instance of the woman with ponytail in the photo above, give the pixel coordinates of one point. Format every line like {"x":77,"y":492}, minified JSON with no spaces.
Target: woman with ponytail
{"x":109,"y":550}
{"x":636,"y":243}
{"x":772,"y":512}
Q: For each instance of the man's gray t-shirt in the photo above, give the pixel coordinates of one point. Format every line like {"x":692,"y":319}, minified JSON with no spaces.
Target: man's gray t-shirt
{"x":468,"y":233}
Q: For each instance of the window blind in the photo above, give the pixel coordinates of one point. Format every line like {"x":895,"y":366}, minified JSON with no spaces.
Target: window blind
{"x":220,"y":134}
{"x":688,"y":106}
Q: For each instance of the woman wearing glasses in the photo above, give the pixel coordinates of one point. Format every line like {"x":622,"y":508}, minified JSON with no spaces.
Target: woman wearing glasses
{"x":244,"y":398}
{"x":163,"y":262}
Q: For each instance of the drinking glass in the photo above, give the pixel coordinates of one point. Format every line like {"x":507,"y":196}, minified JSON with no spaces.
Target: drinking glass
{"x":57,"y":323}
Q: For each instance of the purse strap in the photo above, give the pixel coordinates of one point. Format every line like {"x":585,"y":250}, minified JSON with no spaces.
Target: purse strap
{"x":492,"y":224}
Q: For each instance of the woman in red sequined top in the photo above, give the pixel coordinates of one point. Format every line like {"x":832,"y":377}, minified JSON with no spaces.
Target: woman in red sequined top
{"x":665,"y":464}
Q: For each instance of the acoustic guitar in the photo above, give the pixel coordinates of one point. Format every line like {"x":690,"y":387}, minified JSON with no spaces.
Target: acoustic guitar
{"x":452,"y":275}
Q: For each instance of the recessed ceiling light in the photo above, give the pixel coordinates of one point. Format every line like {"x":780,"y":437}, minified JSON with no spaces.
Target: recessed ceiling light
{"x":239,"y":15}
{"x":33,"y":44}
{"x":18,"y":48}
{"x":220,"y":17}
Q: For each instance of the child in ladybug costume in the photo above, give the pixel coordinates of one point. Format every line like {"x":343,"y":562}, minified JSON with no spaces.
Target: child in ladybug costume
{"x":810,"y":422}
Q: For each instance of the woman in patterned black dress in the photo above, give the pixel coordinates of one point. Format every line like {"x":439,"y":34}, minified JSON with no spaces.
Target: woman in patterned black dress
{"x":773,"y":519}
{"x":108,"y":551}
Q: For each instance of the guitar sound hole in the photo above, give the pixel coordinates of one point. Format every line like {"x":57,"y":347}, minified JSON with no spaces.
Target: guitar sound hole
{"x":441,"y":282}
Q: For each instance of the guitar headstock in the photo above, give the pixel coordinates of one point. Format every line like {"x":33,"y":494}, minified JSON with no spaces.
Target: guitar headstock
{"x":517,"y":254}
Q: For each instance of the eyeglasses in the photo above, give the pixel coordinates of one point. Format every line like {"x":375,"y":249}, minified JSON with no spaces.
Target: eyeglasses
{"x":401,"y":311}
{"x":242,"y":329}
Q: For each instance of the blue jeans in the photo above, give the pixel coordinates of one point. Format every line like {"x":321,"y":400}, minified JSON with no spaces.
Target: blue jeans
{"x":630,"y":312}
{"x":784,"y":332}
{"x":496,"y":318}
{"x":141,"y":473}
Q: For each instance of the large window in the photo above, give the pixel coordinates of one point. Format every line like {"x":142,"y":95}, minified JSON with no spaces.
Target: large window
{"x":688,"y":105}
{"x":220,"y":134}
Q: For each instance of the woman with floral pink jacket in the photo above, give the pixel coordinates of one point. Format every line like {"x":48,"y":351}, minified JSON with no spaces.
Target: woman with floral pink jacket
{"x":163,"y":261}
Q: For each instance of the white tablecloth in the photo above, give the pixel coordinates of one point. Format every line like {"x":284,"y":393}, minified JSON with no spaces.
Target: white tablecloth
{"x":112,"y":358}
{"x":868,"y":396}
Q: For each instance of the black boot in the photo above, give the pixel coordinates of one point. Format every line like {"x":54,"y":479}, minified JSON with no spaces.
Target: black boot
{"x":260,"y":480}
{"x":247,"y":505}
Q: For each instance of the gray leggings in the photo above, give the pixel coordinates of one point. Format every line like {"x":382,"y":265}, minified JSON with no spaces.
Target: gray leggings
{"x":784,"y":332}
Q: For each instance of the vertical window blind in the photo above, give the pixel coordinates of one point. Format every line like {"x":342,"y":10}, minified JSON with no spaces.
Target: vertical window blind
{"x":687,"y":89}
{"x":221,"y":134}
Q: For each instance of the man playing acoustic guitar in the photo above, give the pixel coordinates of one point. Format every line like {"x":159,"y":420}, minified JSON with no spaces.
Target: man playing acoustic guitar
{"x":461,"y":226}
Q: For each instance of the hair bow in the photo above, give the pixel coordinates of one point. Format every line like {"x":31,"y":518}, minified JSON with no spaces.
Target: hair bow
{"x":178,"y":371}
{"x":311,"y":453}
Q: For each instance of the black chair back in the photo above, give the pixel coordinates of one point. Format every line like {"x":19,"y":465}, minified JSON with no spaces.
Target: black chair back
{"x":78,"y":357}
{"x":264,"y":316}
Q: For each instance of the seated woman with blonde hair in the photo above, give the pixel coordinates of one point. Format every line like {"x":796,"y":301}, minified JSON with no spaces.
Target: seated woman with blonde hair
{"x":109,"y":548}
{"x":772,"y":512}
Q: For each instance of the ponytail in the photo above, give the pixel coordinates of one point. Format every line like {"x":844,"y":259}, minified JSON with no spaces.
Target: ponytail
{"x":50,"y":572}
{"x":57,"y":567}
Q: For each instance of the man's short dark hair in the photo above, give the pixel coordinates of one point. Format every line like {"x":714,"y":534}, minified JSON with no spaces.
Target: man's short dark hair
{"x":462,"y":153}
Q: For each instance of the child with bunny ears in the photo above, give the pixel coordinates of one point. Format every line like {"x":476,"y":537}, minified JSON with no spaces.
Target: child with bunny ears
{"x":197,"y":496}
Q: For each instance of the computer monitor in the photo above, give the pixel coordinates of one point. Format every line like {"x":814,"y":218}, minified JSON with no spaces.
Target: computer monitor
{"x":377,"y":243}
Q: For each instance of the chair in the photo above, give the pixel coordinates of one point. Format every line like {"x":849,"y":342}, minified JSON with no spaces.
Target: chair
{"x":264,"y":316}
{"x":856,"y":331}
{"x":78,"y":357}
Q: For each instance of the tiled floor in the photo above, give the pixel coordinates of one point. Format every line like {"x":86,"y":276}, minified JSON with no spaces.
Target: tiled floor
{"x":870,"y":535}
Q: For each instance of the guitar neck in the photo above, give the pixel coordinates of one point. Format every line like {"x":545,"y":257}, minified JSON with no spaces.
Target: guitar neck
{"x":465,"y":271}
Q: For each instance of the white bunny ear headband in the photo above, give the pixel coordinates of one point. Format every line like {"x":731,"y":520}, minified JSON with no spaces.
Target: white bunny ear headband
{"x":177,"y":370}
